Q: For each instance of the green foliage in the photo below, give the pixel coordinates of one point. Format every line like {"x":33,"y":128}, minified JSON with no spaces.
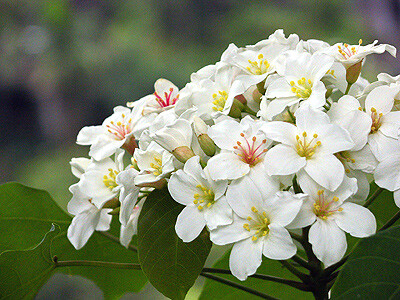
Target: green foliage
{"x":372,"y":271}
{"x":171,"y":265}
{"x":21,"y":272}
{"x":215,"y":290}
{"x":27,"y":214}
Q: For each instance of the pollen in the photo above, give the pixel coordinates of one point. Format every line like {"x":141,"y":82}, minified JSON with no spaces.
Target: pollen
{"x":376,"y":120}
{"x":157,"y":165}
{"x":109,"y":180}
{"x":346,"y":51}
{"x":259,"y":66}
{"x":305,"y":147}
{"x":167,"y":99}
{"x":258,"y":224}
{"x":204,"y":198}
{"x":250,"y":150}
{"x":303,"y":88}
{"x":219,"y":100}
{"x":323,"y":207}
{"x":120,"y":128}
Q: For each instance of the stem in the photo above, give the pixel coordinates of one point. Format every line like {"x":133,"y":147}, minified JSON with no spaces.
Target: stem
{"x":377,"y":192}
{"x":130,"y":266}
{"x":302,"y":262}
{"x":115,"y":239}
{"x":303,"y":277}
{"x":89,"y":263}
{"x":291,"y":116}
{"x":391,"y":221}
{"x":238,"y":286}
{"x":292,"y":283}
{"x":348,"y":88}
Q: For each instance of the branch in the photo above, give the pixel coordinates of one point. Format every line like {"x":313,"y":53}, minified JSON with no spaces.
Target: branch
{"x":238,"y":286}
{"x":90,"y":263}
{"x":391,"y":221}
{"x":115,"y":239}
{"x":303,"y":277}
{"x":377,"y":192}
{"x":296,"y":284}
{"x":302,"y":262}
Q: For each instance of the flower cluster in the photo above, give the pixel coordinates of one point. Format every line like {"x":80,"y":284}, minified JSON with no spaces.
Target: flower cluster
{"x":277,"y":136}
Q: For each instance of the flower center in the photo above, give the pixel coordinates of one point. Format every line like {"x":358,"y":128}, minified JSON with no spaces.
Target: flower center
{"x":219,"y":100}
{"x":250,"y":152}
{"x":259,"y":66}
{"x":302,"y":88}
{"x":120,"y":129}
{"x":109,"y":181}
{"x":322,"y":207}
{"x":344,"y":157}
{"x":157,"y":165}
{"x":346,"y":51}
{"x":205,"y":197}
{"x":376,"y":120}
{"x":167,"y":100}
{"x":258,"y":223}
{"x":307,"y":149}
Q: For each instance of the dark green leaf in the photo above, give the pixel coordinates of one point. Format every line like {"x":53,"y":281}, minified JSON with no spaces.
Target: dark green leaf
{"x":372,"y":271}
{"x":215,"y":290}
{"x":171,"y":265}
{"x":16,"y":276}
{"x":27,"y":214}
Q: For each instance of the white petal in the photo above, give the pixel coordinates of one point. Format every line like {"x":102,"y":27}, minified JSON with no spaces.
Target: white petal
{"x":220,"y":213}
{"x":278,"y":244}
{"x":225,"y":141}
{"x":283,"y":160}
{"x":327,"y":171}
{"x":306,"y":215}
{"x":89,"y":134}
{"x":334,"y":139}
{"x":231,"y":233}
{"x":328,"y":241}
{"x":282,"y":132}
{"x":227,"y":166}
{"x":82,"y":227}
{"x":278,"y":105}
{"x":391,"y":124}
{"x":356,"y":220}
{"x":283,"y":207}
{"x":308,"y":118}
{"x":242,"y":195}
{"x":396,"y":196}
{"x":245,"y":258}
{"x":267,"y":185}
{"x":381,"y":98}
{"x":279,"y":88}
{"x":182,"y":187}
{"x":190,"y":223}
{"x":387,"y":173}
{"x":126,"y":235}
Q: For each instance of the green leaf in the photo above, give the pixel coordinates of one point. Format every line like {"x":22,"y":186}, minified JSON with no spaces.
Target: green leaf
{"x":16,"y":276}
{"x":372,"y":271}
{"x":215,"y":290}
{"x":171,"y":265}
{"x":26,"y":214}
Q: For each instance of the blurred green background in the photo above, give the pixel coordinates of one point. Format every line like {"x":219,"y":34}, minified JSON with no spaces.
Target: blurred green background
{"x":65,"y":64}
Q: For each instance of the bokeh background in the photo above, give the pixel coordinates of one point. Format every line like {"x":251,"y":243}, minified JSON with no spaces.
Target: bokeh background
{"x":65,"y":64}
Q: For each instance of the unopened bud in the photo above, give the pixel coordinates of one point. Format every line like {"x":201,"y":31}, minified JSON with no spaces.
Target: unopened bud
{"x":199,"y":126}
{"x":236,"y":109}
{"x":241,"y":99}
{"x":183,"y":153}
{"x":206,"y":144}
{"x":261,"y":87}
{"x":257,"y":96}
{"x":353,"y":72}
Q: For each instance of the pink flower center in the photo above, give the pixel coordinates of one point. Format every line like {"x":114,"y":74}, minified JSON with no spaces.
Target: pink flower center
{"x":322,"y":206}
{"x":250,"y":152}
{"x":121,"y":128}
{"x":348,"y":51}
{"x":166,"y":101}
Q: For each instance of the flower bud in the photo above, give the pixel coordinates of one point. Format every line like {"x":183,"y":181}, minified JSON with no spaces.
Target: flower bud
{"x":130,"y":145}
{"x":183,"y":153}
{"x":353,"y":72}
{"x":236,"y":109}
{"x":199,"y":126}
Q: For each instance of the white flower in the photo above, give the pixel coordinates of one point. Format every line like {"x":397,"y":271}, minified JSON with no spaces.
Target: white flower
{"x":387,"y":173}
{"x":300,"y":80}
{"x":258,"y":227}
{"x":115,"y":132}
{"x":259,"y":60}
{"x":213,"y":97}
{"x":130,"y":228}
{"x":155,"y":163}
{"x":177,"y":134}
{"x":242,"y":145}
{"x":350,"y":55}
{"x":330,"y":216}
{"x":88,"y":218}
{"x":98,"y":181}
{"x":385,"y":123}
{"x":310,"y":145}
{"x":204,"y":199}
